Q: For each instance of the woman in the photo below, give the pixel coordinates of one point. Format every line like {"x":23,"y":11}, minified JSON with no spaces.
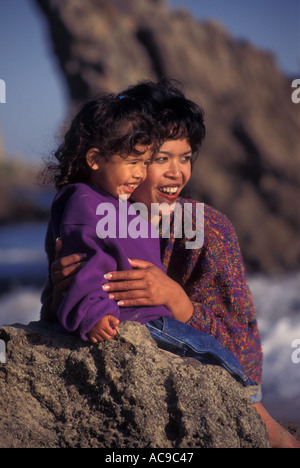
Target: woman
{"x":209,"y":282}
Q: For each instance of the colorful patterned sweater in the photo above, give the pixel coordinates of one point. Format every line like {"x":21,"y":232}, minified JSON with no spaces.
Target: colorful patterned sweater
{"x":214,"y":279}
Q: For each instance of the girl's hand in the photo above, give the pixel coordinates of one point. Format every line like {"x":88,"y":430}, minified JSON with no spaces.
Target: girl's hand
{"x":63,"y":271}
{"x":105,"y":329}
{"x":147,"y":285}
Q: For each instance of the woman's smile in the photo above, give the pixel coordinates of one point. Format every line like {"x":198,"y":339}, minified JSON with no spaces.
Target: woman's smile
{"x":170,"y":192}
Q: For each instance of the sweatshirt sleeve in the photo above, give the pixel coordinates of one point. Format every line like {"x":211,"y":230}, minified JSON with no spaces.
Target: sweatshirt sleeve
{"x":85,"y":302}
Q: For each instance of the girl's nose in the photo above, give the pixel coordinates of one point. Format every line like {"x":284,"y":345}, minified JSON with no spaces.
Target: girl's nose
{"x":140,"y":172}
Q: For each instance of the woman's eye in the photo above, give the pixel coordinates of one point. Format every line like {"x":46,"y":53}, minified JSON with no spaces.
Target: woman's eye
{"x":161,"y":160}
{"x":186,"y":159}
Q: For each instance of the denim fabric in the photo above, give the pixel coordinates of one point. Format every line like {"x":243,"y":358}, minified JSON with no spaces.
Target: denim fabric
{"x":185,"y":341}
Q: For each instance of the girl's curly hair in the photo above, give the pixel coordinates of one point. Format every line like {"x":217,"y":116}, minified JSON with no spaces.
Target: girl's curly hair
{"x":110,"y":123}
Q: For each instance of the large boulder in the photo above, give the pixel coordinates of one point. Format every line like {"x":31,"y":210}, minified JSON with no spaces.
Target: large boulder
{"x":58,"y":391}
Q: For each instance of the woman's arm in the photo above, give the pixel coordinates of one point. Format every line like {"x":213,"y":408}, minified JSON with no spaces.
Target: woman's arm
{"x":147,"y":285}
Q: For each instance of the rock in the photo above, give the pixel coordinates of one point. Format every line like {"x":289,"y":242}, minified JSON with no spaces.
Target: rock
{"x":249,"y":167}
{"x":58,"y":391}
{"x":293,"y":428}
{"x":20,"y":196}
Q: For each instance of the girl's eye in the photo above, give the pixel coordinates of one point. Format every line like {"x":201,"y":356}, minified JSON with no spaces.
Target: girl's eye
{"x":145,"y":163}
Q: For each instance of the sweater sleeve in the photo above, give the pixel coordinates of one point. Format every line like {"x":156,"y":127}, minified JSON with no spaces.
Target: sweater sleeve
{"x":223,"y":306}
{"x":85,"y":302}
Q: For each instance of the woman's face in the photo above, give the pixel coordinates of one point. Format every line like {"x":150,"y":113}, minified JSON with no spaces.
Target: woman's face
{"x":167,"y":175}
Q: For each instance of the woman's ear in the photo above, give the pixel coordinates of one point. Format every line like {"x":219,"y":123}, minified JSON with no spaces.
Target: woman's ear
{"x":92,"y":158}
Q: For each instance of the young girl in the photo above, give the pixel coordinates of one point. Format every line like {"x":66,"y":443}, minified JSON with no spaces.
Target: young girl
{"x":103,"y":159}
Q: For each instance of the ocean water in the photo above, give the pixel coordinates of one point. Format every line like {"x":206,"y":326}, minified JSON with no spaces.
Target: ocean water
{"x":277,"y":303}
{"x":23,"y":273}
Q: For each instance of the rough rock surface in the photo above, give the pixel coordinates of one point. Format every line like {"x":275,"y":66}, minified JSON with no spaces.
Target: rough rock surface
{"x":57,"y":391}
{"x":249,"y":167}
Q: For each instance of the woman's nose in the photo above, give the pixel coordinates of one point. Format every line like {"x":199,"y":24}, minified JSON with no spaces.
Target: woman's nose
{"x":173,"y":169}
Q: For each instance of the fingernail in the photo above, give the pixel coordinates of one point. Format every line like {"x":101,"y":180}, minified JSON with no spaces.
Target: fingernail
{"x":106,"y":287}
{"x":83,"y":256}
{"x":111,"y":296}
{"x":121,"y":303}
{"x":108,"y":276}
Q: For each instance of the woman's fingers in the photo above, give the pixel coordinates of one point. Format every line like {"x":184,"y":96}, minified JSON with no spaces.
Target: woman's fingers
{"x":66,"y":266}
{"x":58,"y":248}
{"x":139,"y":265}
{"x":124,"y":285}
{"x":132,"y":299}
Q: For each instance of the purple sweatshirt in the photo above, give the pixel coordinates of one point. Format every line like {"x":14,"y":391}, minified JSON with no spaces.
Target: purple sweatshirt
{"x":79,"y":214}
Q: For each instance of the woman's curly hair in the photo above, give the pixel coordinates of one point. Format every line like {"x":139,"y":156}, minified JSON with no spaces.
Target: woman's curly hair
{"x":143,"y":115}
{"x":176,"y":116}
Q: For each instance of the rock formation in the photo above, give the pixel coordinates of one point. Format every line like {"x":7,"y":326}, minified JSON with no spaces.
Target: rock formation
{"x":249,"y":167}
{"x":20,"y":192}
{"x":58,"y":391}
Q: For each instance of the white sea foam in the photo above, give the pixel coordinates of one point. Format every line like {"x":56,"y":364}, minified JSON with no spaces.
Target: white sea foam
{"x":16,"y":256}
{"x":278,"y":309}
{"x":21,"y":305}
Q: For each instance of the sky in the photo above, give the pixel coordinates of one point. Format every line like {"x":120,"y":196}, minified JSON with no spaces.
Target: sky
{"x":36,"y":96}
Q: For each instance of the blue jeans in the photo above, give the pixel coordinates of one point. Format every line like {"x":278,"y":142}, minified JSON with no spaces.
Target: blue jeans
{"x":185,"y":341}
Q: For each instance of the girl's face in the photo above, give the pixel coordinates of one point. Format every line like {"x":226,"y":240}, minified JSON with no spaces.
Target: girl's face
{"x":168,"y":173}
{"x":119,"y":176}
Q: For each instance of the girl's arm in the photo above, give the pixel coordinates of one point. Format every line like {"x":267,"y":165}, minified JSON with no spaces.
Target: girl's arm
{"x":85,"y":302}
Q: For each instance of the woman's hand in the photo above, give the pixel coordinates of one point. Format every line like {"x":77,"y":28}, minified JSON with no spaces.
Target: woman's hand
{"x":63,"y":271}
{"x":147,"y":285}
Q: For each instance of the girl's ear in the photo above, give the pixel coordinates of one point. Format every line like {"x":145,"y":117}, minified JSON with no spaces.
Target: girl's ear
{"x":92,"y":158}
